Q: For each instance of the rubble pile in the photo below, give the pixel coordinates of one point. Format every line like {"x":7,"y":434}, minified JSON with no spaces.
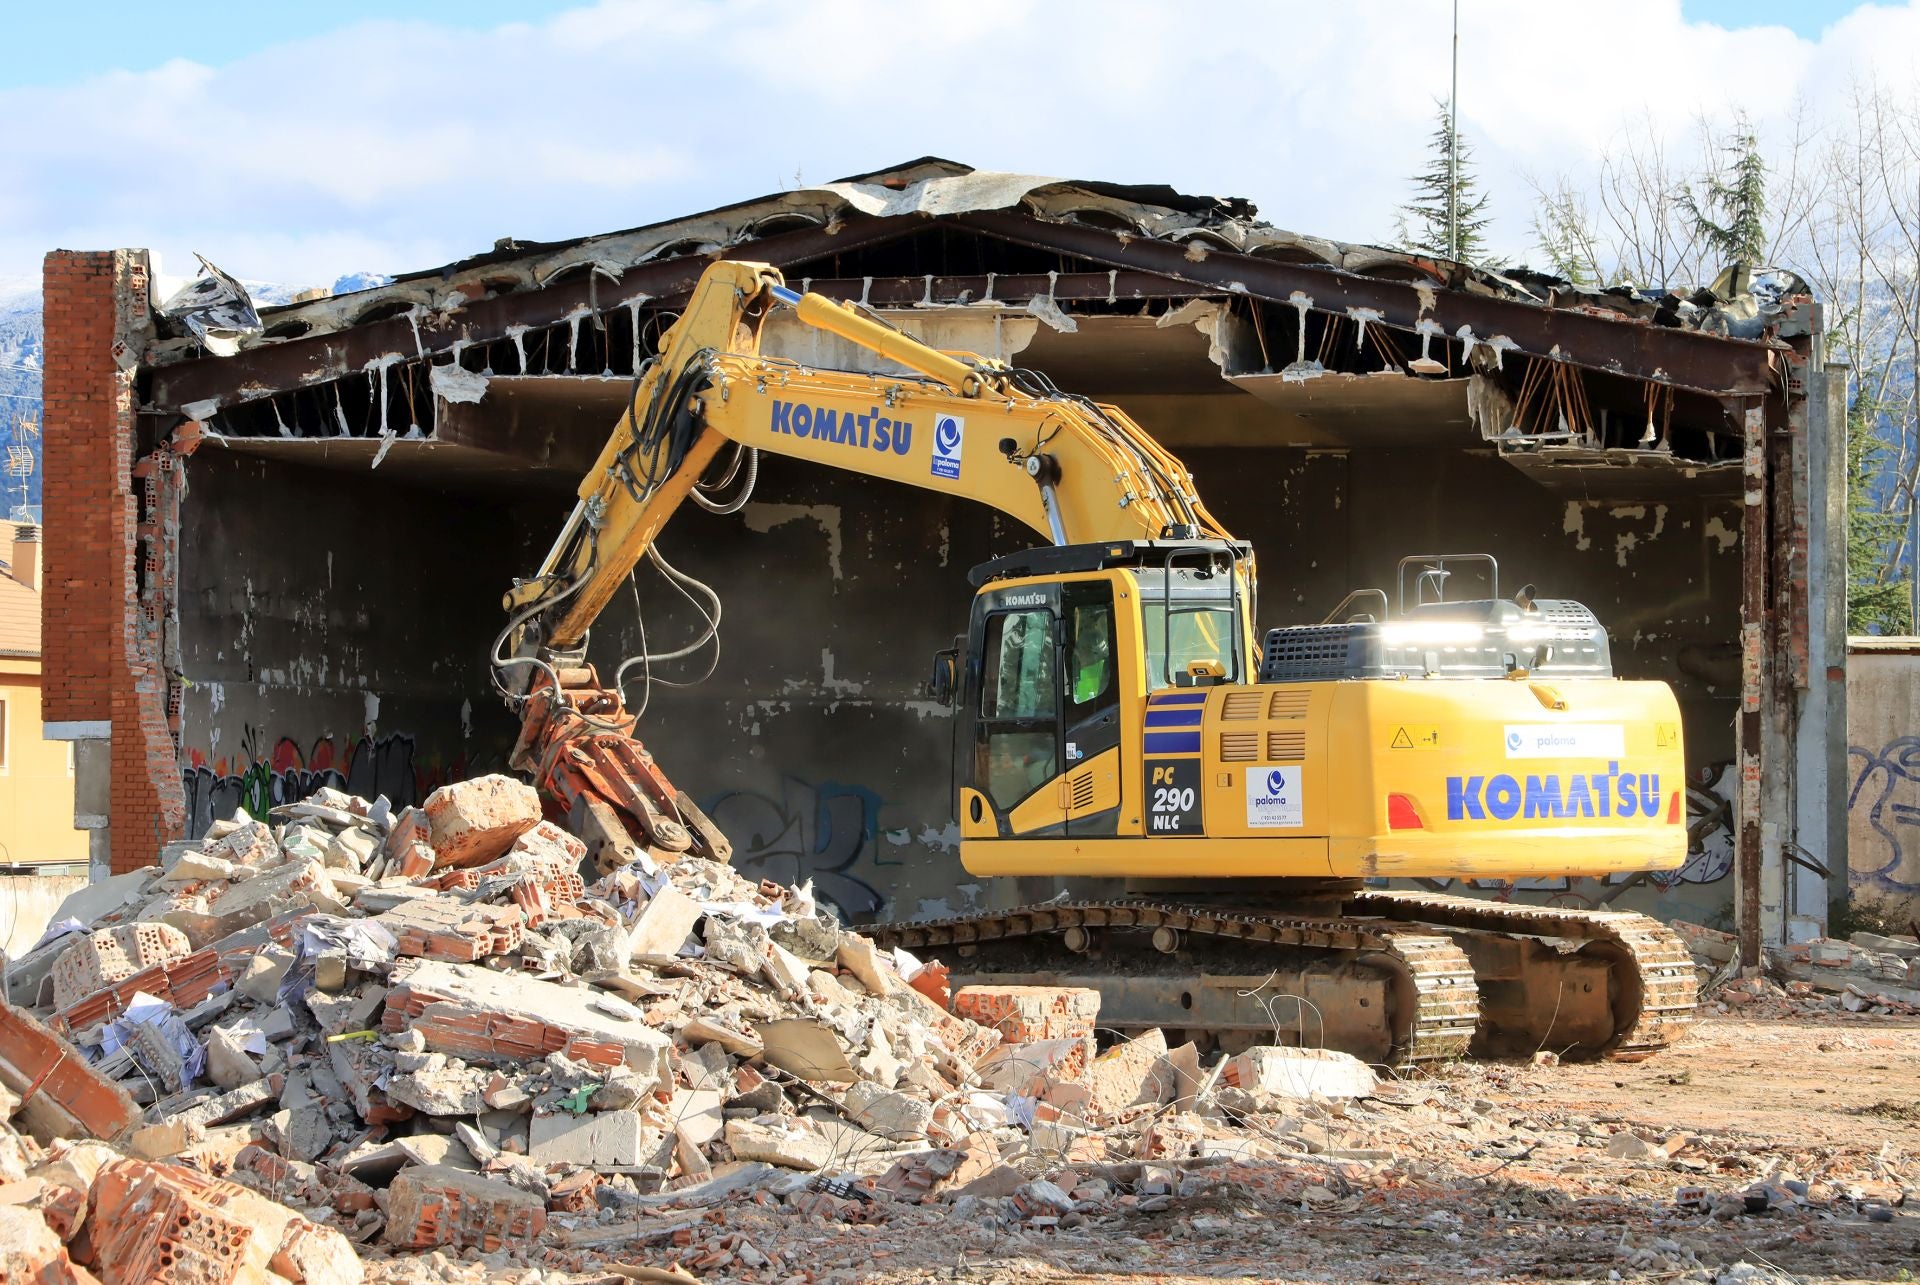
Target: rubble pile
{"x":351,"y":1042}
{"x":1869,"y":973}
{"x":350,"y":1026}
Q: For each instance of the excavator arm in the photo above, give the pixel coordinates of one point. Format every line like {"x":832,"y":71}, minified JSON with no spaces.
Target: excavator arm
{"x":1072,"y":470}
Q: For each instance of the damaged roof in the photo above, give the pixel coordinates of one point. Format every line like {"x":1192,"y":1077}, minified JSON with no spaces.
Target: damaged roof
{"x":933,"y":187}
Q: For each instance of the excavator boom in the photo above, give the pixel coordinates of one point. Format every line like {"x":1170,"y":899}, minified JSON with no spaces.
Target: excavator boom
{"x":955,"y":423}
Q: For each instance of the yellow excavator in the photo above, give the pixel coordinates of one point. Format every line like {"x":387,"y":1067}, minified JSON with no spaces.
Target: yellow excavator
{"x":1117,"y":716}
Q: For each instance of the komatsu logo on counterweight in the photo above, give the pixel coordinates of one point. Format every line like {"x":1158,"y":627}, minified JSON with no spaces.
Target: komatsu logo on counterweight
{"x":871,"y":431}
{"x":1583,"y":794}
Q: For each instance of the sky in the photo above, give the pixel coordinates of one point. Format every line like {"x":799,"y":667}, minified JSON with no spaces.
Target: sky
{"x":299,"y":142}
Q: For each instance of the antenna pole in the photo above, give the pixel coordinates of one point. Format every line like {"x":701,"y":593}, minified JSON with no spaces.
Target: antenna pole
{"x":1453,"y":145}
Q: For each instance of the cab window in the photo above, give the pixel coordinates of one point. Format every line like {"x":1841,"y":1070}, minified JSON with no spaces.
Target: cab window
{"x":1202,"y":633}
{"x":1019,"y":709}
{"x":1019,"y":668}
{"x":1090,"y":656}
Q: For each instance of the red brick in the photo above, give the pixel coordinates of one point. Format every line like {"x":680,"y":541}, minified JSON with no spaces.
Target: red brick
{"x":433,"y":1205}
{"x":1027,"y":1014}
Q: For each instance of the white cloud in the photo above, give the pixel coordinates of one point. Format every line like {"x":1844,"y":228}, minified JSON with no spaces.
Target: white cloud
{"x":391,"y":146}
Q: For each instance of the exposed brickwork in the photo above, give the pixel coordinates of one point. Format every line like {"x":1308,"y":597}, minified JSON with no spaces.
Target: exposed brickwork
{"x":97,"y":960}
{"x":110,"y":520}
{"x":1026,"y":1014}
{"x":88,"y":458}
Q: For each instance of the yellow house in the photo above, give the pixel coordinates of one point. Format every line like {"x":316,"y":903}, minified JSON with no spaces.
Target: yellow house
{"x":36,"y":776}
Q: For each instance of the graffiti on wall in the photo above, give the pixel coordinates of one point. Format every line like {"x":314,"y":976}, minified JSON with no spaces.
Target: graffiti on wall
{"x":263,"y":775}
{"x":1885,"y":793}
{"x":828,"y":833}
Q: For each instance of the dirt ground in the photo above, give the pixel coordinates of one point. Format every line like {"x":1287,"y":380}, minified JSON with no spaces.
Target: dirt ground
{"x":1828,"y":1101}
{"x":1473,"y":1172}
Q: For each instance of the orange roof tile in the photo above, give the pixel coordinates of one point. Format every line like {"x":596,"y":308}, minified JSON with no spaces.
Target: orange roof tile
{"x":19,"y":618}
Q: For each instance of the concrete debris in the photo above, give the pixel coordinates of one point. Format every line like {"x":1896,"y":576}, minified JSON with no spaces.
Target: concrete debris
{"x":472,"y":822}
{"x":1270,"y":1074}
{"x":347,"y":1034}
{"x":1869,"y":973}
{"x":433,"y":1205}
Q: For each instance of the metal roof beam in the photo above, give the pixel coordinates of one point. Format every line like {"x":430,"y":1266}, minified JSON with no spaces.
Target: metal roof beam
{"x":1659,"y":354}
{"x":272,"y":367}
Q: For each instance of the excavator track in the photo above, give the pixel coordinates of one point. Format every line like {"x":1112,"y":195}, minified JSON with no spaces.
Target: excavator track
{"x":1397,"y":978}
{"x":1650,"y":1002}
{"x":1420,"y":980}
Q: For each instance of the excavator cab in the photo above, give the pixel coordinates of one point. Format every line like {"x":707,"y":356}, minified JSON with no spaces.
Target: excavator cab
{"x":1063,"y":647}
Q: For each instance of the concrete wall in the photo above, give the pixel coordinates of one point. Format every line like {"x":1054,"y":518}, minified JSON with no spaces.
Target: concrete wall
{"x":36,"y":777}
{"x":1883,"y":786}
{"x":27,"y":904}
{"x":333,"y":626}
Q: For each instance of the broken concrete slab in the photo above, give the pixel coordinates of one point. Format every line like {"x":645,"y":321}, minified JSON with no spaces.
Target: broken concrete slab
{"x":896,"y":1116}
{"x":863,"y":959}
{"x":433,"y":1206}
{"x":228,"y":1064}
{"x":784,"y":1141}
{"x":477,"y":1013}
{"x":30,"y":1252}
{"x":663,"y":926}
{"x":805,"y":1048}
{"x":607,"y":1141}
{"x":1273,"y":1073}
{"x":472,"y":822}
{"x":295,"y":886}
{"x":1130,"y":1074}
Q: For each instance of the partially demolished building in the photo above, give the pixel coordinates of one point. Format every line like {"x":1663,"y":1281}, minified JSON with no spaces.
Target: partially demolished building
{"x":308,"y":527}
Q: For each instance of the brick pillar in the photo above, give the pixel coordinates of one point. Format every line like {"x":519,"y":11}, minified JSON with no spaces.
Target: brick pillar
{"x":104,"y":677}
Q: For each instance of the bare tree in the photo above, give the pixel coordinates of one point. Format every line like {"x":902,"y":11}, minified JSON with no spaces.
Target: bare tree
{"x":1833,"y":197}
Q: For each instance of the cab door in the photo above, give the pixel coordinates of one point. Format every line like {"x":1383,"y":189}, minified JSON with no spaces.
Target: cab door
{"x":1090,"y":703}
{"x":1017,"y":750}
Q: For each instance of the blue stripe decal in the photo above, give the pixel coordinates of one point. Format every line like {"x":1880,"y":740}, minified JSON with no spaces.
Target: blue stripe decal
{"x":1188,"y":717}
{"x":1177,"y":698}
{"x":1173,"y":742}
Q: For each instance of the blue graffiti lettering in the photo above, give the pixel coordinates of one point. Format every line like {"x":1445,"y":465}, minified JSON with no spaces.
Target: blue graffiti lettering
{"x":1886,"y":785}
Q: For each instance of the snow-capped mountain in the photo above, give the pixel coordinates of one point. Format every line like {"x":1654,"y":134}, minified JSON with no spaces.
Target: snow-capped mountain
{"x":20,"y":361}
{"x":22,"y":356}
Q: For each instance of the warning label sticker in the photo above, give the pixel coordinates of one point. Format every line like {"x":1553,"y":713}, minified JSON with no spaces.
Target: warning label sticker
{"x":1415,"y":736}
{"x":1275,"y":798}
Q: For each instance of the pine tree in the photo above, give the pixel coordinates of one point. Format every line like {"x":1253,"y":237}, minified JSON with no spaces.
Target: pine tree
{"x":1422,"y":223}
{"x":1731,"y":215}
